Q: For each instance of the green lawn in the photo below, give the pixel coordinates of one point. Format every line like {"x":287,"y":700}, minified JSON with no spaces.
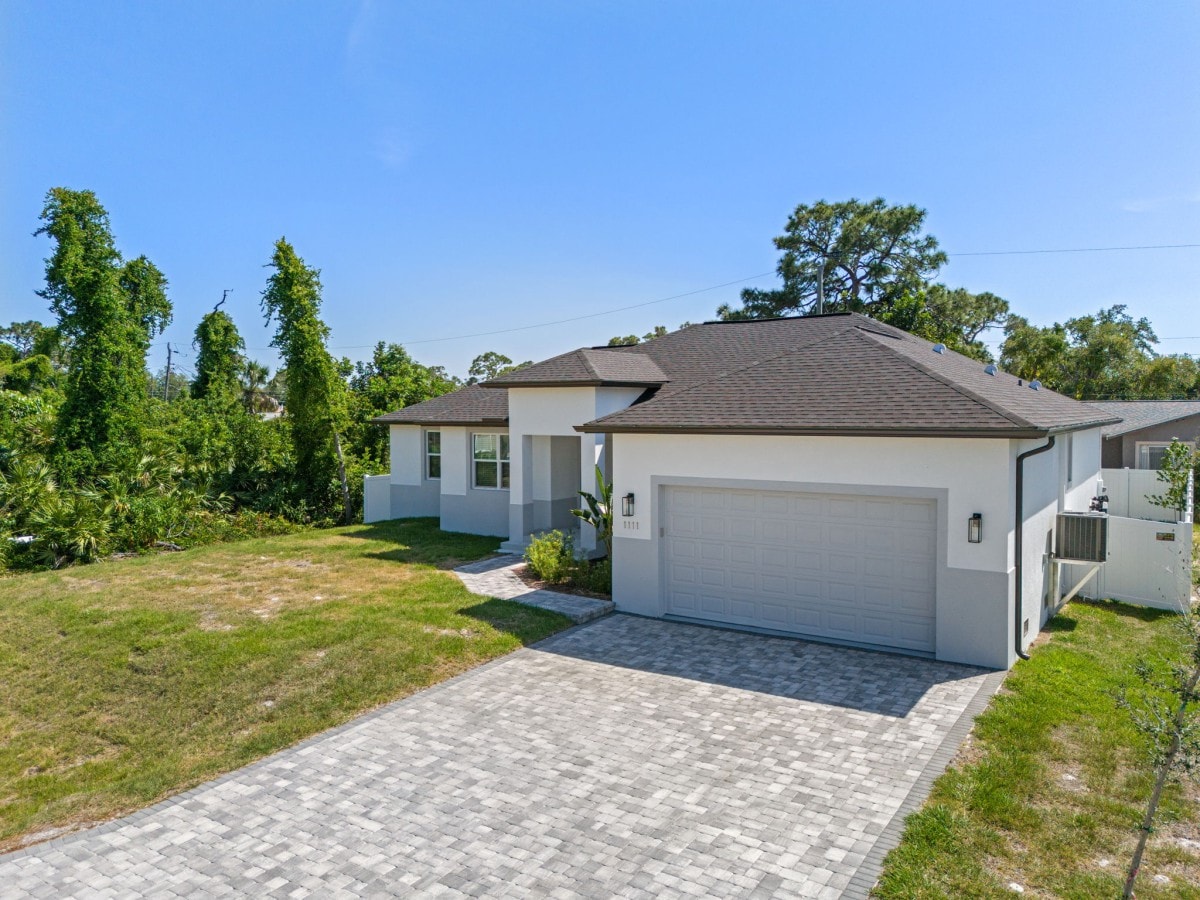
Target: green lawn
{"x":126,"y":681}
{"x":1048,"y":787}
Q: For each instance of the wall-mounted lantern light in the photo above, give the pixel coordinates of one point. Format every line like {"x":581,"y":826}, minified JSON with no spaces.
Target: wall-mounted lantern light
{"x":627,"y":505}
{"x":975,"y":528}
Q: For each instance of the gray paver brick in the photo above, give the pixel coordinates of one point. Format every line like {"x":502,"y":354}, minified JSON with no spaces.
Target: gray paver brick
{"x":631,"y":757}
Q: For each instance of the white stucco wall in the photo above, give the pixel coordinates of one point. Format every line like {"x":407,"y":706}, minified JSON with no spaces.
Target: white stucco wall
{"x":967,"y":467}
{"x":407,"y":454}
{"x":964,"y":476}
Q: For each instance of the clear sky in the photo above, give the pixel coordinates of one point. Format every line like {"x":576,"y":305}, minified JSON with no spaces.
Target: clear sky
{"x":455,"y":167}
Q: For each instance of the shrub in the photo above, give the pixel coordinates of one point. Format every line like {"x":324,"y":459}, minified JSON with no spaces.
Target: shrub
{"x":551,"y":557}
{"x":594,"y":577}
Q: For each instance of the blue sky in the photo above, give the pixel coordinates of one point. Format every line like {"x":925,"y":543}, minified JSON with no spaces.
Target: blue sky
{"x":456,"y":168}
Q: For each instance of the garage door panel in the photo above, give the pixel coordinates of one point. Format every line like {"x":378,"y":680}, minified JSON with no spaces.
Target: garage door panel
{"x":845,"y":567}
{"x":843,"y":564}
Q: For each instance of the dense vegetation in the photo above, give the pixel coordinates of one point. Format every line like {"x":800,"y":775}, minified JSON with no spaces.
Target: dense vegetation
{"x":98,"y":457}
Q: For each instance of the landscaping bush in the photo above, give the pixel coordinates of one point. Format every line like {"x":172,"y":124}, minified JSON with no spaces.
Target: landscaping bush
{"x":551,"y":556}
{"x":594,"y":577}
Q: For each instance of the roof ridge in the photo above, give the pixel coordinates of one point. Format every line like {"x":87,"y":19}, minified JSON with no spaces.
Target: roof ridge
{"x":582,"y":353}
{"x":957,"y":388}
{"x":766,"y":359}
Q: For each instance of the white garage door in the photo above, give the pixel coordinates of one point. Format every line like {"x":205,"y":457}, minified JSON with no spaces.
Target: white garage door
{"x":828,"y":565}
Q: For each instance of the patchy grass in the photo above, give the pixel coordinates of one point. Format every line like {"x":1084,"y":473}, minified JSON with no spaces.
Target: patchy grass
{"x":124,"y":682}
{"x":1048,"y":792}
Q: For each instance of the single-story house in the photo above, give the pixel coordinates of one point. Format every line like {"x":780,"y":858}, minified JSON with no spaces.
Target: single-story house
{"x":826,"y":476}
{"x":1146,"y":428}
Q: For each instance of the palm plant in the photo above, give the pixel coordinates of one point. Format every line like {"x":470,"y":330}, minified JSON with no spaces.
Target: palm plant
{"x":254,"y":382}
{"x":598,"y":513}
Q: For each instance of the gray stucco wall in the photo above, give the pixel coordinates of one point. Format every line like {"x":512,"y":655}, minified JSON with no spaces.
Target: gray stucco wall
{"x":409,"y":500}
{"x":1121,"y":452}
{"x":476,"y":512}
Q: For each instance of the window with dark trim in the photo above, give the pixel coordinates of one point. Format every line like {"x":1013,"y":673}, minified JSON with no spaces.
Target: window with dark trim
{"x":433,"y":454}
{"x":489,"y":460}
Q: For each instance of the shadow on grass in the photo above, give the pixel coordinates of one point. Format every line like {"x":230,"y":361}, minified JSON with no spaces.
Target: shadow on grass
{"x":528,"y":624}
{"x":1120,"y":608}
{"x":420,"y":541}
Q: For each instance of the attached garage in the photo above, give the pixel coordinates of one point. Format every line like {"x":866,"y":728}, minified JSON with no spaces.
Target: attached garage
{"x":837,"y":566}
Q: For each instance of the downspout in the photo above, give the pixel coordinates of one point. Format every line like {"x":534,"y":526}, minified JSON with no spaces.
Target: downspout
{"x":1019,"y":540}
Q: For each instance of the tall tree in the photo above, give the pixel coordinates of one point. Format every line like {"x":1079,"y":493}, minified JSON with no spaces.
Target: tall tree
{"x":863,"y":256}
{"x":109,"y":311}
{"x":1104,"y":356}
{"x":951,"y":316}
{"x":389,"y":380}
{"x":491,"y":364}
{"x":316,"y":409}
{"x":218,"y":359}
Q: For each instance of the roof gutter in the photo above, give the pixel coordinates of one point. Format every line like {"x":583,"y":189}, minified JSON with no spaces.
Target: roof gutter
{"x":1019,"y":541}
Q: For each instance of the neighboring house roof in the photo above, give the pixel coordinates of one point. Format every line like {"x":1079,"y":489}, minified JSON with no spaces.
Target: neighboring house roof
{"x":833,"y":374}
{"x":1138,"y":414}
{"x":587,"y":367}
{"x":470,"y":405}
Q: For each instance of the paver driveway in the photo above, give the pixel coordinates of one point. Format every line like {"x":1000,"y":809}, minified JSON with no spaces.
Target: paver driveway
{"x":628,"y":757}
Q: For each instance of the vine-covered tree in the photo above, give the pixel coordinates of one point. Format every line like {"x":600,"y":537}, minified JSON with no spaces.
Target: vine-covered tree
{"x":219,"y":360}
{"x":316,"y":408}
{"x":109,"y":310}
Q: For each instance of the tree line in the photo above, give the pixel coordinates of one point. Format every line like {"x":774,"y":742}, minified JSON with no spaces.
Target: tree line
{"x":99,"y":456}
{"x":878,"y":260}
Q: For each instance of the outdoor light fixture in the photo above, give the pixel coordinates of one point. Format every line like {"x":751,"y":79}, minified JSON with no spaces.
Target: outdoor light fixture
{"x":975,"y":528}
{"x":627,"y":505}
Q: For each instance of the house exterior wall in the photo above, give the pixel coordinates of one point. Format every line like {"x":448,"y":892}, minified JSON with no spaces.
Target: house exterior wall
{"x":553,"y":412}
{"x":464,"y":507}
{"x":975,"y":582}
{"x":1121,"y":452}
{"x":412,"y":494}
{"x":1064,"y":478}
{"x":963,"y":476}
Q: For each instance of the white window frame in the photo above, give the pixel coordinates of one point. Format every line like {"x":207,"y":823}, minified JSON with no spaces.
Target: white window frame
{"x":430,"y":456}
{"x":1147,"y":445}
{"x":502,"y":461}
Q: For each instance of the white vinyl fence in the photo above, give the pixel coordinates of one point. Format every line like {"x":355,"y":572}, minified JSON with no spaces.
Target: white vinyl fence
{"x":1127,"y":490}
{"x":377,"y":498}
{"x":1149,"y":563}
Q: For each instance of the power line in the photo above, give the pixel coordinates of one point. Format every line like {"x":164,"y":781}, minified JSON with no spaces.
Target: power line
{"x":1075,"y":250}
{"x":714,"y":287}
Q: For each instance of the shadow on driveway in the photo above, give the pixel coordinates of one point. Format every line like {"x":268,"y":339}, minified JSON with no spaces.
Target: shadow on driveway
{"x":865,"y":680}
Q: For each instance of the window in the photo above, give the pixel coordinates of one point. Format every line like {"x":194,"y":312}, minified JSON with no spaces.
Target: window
{"x":489,"y":454}
{"x":433,"y":454}
{"x":1069,"y":449}
{"x":1150,"y":455}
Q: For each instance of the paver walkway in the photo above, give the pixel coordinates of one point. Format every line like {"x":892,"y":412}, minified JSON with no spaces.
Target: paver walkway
{"x":497,"y":577}
{"x":628,"y":757}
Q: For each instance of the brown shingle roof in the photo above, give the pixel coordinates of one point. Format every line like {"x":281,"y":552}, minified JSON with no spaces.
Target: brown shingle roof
{"x":835,"y":374}
{"x":1138,"y":414}
{"x":470,"y":405}
{"x":852,"y":375}
{"x":591,"y":366}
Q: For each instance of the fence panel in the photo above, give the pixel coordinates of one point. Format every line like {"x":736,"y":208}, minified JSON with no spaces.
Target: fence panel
{"x":377,"y":498}
{"x":1149,"y":563}
{"x":1127,"y":490}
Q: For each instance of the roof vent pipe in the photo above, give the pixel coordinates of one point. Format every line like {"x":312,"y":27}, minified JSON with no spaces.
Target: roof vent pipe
{"x":1019,"y":542}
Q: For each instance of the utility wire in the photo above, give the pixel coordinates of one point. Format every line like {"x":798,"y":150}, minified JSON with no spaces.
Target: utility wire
{"x":714,"y":287}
